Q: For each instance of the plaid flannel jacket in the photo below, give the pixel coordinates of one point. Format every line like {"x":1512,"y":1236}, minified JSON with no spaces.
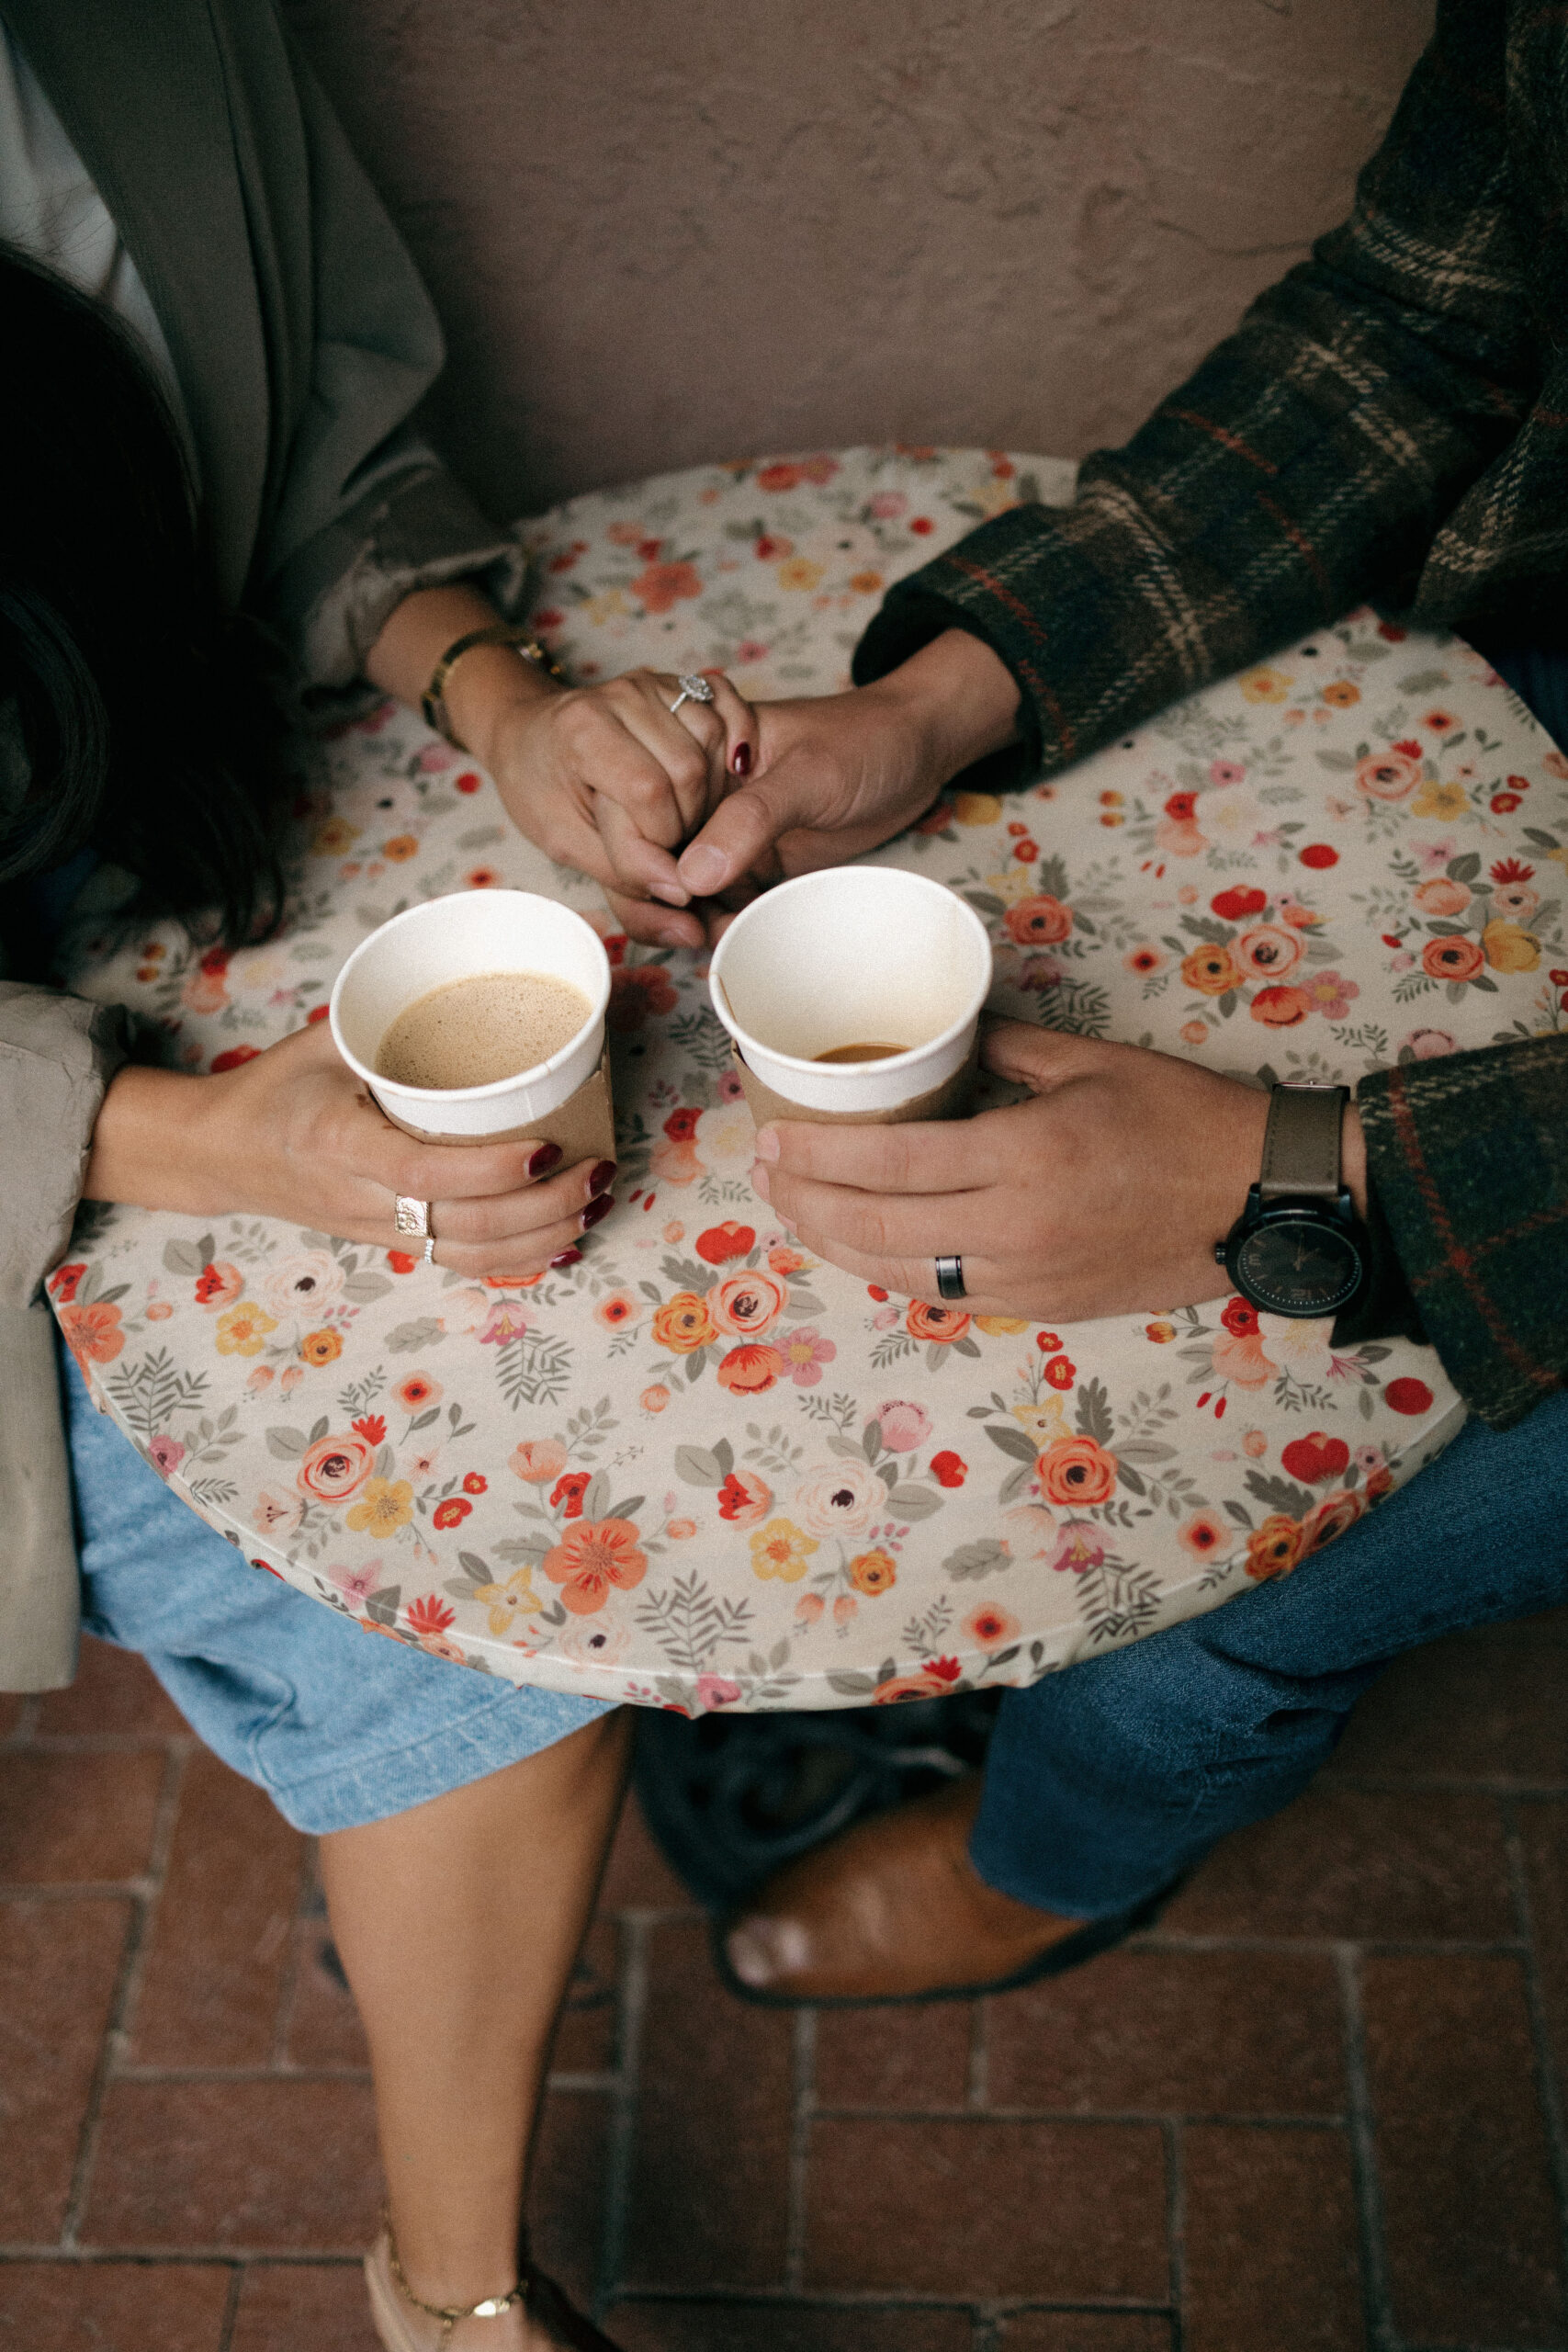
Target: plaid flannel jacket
{"x":1390,"y":422}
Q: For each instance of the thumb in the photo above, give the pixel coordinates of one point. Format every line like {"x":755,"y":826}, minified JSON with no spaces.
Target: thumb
{"x":743,"y":828}
{"x":1041,"y":1059}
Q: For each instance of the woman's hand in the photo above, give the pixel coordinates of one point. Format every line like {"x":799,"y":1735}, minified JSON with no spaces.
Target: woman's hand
{"x":1104,"y":1194}
{"x":835,"y":775}
{"x":607,"y":779}
{"x":293,"y":1133}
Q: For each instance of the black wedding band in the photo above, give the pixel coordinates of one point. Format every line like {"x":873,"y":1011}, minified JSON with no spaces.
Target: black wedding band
{"x":950,"y":1278}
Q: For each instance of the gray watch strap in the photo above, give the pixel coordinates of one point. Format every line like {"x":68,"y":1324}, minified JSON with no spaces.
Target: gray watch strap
{"x":1300,"y":1145}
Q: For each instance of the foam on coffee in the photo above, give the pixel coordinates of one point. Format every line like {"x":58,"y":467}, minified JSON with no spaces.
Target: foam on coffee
{"x":472,"y":1031}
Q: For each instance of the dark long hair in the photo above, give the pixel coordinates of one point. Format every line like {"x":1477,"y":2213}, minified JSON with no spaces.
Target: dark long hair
{"x":146,"y":731}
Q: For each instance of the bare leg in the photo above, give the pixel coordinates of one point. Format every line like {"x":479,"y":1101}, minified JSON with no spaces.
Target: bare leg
{"x":458,"y":1923}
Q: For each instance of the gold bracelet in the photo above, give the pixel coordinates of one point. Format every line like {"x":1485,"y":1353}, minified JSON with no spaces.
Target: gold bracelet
{"x":523,"y":643}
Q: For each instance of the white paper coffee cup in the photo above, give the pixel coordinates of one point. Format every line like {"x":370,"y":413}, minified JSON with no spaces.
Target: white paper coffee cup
{"x":860,"y":954}
{"x":466,"y":936}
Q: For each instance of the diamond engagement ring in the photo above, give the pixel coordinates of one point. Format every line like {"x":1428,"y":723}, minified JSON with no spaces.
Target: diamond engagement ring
{"x":950,"y":1278}
{"x":693,"y":689}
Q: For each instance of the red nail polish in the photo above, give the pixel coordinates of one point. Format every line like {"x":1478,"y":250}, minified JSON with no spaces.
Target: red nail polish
{"x":568,"y":1258}
{"x":740,"y":760}
{"x":604,"y":1176}
{"x":597,"y":1209}
{"x":544,"y":1160}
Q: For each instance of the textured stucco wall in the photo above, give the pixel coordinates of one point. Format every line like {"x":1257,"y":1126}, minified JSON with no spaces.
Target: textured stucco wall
{"x":665,"y":230}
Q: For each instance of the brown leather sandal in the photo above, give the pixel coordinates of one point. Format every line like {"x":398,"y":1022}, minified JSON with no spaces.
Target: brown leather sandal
{"x":391,"y":2297}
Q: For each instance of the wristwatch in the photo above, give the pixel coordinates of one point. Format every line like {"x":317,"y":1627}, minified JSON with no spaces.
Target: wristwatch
{"x":1298,"y":1247}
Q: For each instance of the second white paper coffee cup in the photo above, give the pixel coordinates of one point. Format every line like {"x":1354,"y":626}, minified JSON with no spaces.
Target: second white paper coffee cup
{"x":860,"y":954}
{"x":462,"y":937}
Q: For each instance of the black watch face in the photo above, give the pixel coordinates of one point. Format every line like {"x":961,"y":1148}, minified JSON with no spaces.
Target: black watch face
{"x":1299,"y":1267}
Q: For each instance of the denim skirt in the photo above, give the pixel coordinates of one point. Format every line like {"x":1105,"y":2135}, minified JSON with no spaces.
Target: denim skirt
{"x":338,"y":1726}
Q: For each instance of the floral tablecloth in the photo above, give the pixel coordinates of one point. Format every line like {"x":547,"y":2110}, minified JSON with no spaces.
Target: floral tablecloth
{"x":700,"y":1469}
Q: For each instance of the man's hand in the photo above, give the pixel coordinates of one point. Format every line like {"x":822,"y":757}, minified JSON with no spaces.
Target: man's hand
{"x":1104,"y":1194}
{"x":837,"y":774}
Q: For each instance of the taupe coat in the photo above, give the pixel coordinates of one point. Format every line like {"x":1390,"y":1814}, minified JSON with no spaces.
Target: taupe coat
{"x":302,"y":339}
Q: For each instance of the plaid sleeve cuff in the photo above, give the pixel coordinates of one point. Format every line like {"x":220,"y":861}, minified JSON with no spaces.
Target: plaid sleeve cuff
{"x":1468,"y":1155}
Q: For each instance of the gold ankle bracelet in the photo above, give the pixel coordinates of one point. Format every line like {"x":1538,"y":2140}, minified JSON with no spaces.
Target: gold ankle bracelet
{"x":449,"y":2314}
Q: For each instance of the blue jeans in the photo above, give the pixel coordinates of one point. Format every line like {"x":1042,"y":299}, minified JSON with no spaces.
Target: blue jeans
{"x":1105,"y":1782}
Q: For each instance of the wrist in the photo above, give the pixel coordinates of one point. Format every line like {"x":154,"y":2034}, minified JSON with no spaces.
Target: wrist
{"x":150,"y":1146}
{"x":961,"y":699}
{"x":487,"y":691}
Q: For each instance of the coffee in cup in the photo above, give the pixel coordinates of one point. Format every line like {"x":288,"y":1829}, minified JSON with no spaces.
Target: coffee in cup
{"x":854,"y":994}
{"x":480,"y":1018}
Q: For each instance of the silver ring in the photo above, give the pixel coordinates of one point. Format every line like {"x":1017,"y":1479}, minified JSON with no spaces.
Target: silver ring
{"x":430,"y":1250}
{"x":693,"y":689}
{"x":412,"y":1216}
{"x":950,"y":1278}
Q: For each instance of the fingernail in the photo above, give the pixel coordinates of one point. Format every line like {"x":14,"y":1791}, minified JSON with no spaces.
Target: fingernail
{"x":740,"y":760}
{"x":544,"y":1160}
{"x":598,"y":1209}
{"x":704,"y":869}
{"x":767,"y":1145}
{"x":568,"y":1258}
{"x":671,"y":892}
{"x":604,"y":1176}
{"x":760,"y":1181}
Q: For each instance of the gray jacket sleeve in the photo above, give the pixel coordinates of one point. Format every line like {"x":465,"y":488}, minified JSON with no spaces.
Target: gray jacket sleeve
{"x":57,"y":1056}
{"x":364,"y":512}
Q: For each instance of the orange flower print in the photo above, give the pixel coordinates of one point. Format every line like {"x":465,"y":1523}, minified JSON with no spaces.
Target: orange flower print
{"x":1452,"y":959}
{"x":1281,"y":1007}
{"x":663,"y":585}
{"x":1038,"y":922}
{"x":537,"y":1459}
{"x":1267,"y":952}
{"x":873,"y":1572}
{"x":745,"y":1498}
{"x":991,"y":1628}
{"x":1442,"y":897}
{"x":747,"y":1304}
{"x":1211,"y":971}
{"x":401,"y":848}
{"x":637,"y":990}
{"x":923,"y":1322}
{"x":936,"y":1679}
{"x":1341,"y":695}
{"x":654,"y":1399}
{"x":93,"y":1333}
{"x":618,"y":1308}
{"x":1076,"y":1470}
{"x":746,"y":1371}
{"x":594,"y":1559}
{"x":335,"y":1467}
{"x":1273,"y":1549}
{"x":476,"y":1483}
{"x":430,"y":1615}
{"x":566,"y":1495}
{"x":1388,"y":775}
{"x":1207,"y":1536}
{"x":418,"y":1391}
{"x":63,"y":1283}
{"x":321,"y":1347}
{"x":218,"y":1284}
{"x":684,"y":1324}
{"x":452,"y":1511}
{"x":1330,"y":1517}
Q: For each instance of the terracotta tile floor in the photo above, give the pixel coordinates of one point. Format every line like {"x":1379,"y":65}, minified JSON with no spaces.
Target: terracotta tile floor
{"x":1319,"y":2109}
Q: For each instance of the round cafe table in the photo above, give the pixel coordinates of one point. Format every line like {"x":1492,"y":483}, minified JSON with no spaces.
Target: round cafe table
{"x":700,"y":1469}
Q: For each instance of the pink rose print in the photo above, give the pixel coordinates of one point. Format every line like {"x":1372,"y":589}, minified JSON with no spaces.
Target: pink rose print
{"x":904,"y":1428}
